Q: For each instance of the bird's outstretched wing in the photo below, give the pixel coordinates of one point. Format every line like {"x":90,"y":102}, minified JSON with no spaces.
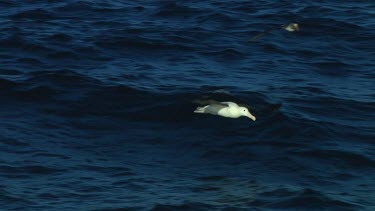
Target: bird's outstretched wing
{"x":256,"y":37}
{"x":230,"y":104}
{"x":203,"y":102}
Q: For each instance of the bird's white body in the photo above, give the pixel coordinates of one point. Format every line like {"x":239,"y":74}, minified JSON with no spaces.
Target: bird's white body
{"x":291,"y":27}
{"x":232,"y":111}
{"x":226,"y":109}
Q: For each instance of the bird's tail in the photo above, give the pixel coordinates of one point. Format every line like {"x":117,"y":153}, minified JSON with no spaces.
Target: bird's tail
{"x":199,"y":110}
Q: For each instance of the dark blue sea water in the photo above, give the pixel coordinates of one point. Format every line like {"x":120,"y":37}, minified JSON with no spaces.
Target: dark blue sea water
{"x":97,"y":101}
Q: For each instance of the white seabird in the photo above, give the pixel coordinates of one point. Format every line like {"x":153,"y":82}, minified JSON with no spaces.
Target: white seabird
{"x":291,"y":27}
{"x":225,"y":109}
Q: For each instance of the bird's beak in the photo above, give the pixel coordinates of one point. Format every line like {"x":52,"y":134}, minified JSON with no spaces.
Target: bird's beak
{"x":252,"y":117}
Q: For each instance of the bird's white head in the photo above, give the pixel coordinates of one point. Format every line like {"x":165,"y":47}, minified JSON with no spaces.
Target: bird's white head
{"x":245,"y":112}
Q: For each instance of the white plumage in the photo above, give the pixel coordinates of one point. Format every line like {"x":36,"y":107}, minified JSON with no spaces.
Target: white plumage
{"x":225,"y":109}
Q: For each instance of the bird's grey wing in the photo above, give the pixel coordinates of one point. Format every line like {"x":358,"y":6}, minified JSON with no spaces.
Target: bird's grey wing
{"x":214,"y":108}
{"x":230,"y":104}
{"x":205,"y":102}
{"x":263,"y":33}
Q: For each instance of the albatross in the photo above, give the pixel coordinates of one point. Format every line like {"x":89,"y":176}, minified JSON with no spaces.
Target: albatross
{"x":225,"y":109}
{"x":291,"y":27}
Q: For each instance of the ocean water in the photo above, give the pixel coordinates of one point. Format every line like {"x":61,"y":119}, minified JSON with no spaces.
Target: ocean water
{"x":97,"y":101}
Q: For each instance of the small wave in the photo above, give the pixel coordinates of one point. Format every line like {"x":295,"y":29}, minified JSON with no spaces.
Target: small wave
{"x":61,"y":55}
{"x":31,"y":61}
{"x":227,"y":54}
{"x":316,"y":10}
{"x":11,"y":198}
{"x":9,"y":3}
{"x":274,"y":48}
{"x":50,"y":155}
{"x":274,"y":144}
{"x":27,"y":170}
{"x":176,"y":10}
{"x":132,"y":208}
{"x":30,"y":46}
{"x":36,"y":14}
{"x":342,"y":29}
{"x":334,"y":68}
{"x":218,"y":18}
{"x":311,"y":199}
{"x":244,"y":7}
{"x":13,"y":142}
{"x":48,"y":196}
{"x":46,"y":85}
{"x":83,"y":8}
{"x":185,"y":206}
{"x":211,"y":178}
{"x":337,"y":108}
{"x":139,"y":43}
{"x":63,"y":77}
{"x":6,"y":84}
{"x":339,"y":158}
{"x":37,"y":93}
{"x":59,"y":37}
{"x":229,"y":156}
{"x":114,"y":170}
{"x":75,"y":9}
